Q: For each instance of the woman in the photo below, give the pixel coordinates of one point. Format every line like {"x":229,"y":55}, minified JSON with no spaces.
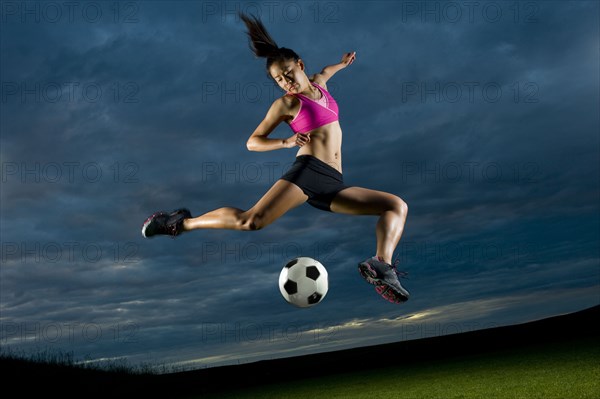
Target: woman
{"x":316,"y":175}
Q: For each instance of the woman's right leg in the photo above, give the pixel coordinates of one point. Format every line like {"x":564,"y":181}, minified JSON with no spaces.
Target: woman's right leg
{"x":280,"y":198}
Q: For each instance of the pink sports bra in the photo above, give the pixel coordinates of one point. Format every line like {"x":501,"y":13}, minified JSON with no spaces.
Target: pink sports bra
{"x":314,"y":113}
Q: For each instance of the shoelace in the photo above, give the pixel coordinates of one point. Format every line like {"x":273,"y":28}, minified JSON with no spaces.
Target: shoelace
{"x":172,"y":227}
{"x":172,"y":231}
{"x":400,"y":274}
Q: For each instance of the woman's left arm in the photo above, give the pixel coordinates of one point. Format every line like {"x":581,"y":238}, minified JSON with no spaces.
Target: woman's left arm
{"x":330,"y":70}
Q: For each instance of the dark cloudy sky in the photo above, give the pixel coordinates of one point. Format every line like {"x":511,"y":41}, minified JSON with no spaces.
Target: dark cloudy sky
{"x":482,"y":116}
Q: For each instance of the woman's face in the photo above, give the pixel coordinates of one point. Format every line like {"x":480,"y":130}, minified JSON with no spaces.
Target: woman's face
{"x":289,"y":75}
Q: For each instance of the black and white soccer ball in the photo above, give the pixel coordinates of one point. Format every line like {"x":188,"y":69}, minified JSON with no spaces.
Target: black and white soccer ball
{"x":303,"y":282}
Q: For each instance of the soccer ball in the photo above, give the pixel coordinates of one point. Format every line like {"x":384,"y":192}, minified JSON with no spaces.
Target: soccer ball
{"x":303,"y":282}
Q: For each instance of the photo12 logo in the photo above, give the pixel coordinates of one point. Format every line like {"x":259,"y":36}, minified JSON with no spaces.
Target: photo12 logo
{"x":454,"y":12}
{"x":469,"y":252}
{"x":25,"y":92}
{"x":471,"y":92}
{"x":234,"y":92}
{"x":55,"y":332}
{"x":470,"y":172}
{"x":69,"y":252}
{"x":265,"y":331}
{"x":69,"y":172}
{"x":266,"y":252}
{"x":326,"y":12}
{"x":55,"y":12}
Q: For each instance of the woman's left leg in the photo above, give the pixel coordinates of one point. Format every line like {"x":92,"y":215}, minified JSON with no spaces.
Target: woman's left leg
{"x":392,"y":213}
{"x":391,"y":209}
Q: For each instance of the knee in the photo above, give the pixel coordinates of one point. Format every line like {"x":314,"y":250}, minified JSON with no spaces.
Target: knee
{"x":252,"y":222}
{"x":400,"y":207}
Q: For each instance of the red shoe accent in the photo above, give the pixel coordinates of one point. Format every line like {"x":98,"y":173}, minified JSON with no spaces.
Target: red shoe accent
{"x":388,"y":293}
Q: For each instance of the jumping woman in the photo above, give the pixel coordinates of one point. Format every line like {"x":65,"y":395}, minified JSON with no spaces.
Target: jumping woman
{"x":316,"y":175}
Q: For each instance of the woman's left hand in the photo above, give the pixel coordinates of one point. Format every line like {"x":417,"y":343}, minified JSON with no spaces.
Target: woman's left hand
{"x":348,"y":58}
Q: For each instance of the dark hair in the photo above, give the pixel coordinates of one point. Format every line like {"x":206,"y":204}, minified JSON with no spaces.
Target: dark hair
{"x":263,"y":45}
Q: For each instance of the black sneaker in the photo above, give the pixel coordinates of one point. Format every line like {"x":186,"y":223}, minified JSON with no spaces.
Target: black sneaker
{"x":385,"y":278}
{"x":164,"y":223}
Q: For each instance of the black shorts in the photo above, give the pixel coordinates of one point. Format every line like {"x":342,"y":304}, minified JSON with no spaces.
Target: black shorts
{"x":318,"y":180}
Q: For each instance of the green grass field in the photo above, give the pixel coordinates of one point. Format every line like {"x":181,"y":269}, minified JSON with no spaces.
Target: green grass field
{"x":554,"y":358}
{"x":564,"y":371}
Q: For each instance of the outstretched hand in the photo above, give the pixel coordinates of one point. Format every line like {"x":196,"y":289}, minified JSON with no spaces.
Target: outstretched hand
{"x":348,"y":58}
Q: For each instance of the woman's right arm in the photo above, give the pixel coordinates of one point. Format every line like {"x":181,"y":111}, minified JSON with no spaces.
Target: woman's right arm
{"x":259,"y":140}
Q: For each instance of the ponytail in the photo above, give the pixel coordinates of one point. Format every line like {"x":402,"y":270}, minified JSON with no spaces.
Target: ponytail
{"x":260,"y":42}
{"x":263,"y":45}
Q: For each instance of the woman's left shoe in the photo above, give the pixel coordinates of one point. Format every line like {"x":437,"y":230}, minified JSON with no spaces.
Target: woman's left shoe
{"x":385,"y":278}
{"x":164,"y":223}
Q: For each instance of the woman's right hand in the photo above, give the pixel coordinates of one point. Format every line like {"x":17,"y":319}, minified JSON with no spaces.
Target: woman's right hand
{"x":298,"y":140}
